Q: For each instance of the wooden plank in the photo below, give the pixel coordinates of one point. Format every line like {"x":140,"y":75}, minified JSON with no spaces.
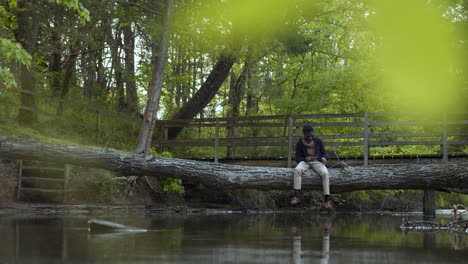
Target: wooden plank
{"x":253,"y":143}
{"x":366,"y":139}
{"x":42,"y":190}
{"x":216,"y":145}
{"x":66,"y":176}
{"x":462,"y":142}
{"x":458,"y":122}
{"x":20,"y":175}
{"x":401,"y":143}
{"x":406,"y":123}
{"x":257,"y":118}
{"x":343,"y":144}
{"x":98,"y":126}
{"x":42,"y":168}
{"x":341,"y":136}
{"x":395,"y":135}
{"x":444,"y":141}
{"x":42,"y":179}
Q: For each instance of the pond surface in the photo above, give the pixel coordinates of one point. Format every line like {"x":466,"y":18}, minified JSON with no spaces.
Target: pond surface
{"x":228,"y":238}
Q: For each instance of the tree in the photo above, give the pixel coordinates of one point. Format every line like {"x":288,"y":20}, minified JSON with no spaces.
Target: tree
{"x":26,"y":33}
{"x":27,"y":18}
{"x":146,"y":131}
{"x":131,"y":96}
{"x":69,"y":68}
{"x":207,"y":91}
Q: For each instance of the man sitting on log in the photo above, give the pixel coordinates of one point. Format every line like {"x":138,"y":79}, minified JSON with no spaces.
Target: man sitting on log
{"x":310,"y":152}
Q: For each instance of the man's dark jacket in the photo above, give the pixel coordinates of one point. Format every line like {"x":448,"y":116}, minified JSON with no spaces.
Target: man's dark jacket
{"x":301,"y":150}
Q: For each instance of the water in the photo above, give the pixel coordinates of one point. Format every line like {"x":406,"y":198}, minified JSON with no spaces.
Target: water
{"x":231,"y":238}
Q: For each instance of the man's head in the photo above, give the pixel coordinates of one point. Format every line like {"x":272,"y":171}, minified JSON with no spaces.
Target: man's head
{"x":308,"y":132}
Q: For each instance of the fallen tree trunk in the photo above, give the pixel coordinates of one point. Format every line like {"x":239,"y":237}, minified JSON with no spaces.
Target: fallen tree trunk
{"x":451,"y":176}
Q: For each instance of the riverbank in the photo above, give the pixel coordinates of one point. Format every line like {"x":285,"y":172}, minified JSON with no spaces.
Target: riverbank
{"x":17,"y":208}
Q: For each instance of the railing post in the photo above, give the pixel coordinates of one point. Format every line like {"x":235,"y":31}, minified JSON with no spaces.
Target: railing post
{"x":290,"y":140}
{"x":164,"y":136}
{"x":444,"y":139}
{"x":366,"y":139}
{"x":98,"y":126}
{"x":429,"y":202}
{"x":20,"y":175}
{"x":159,"y":128}
{"x":66,"y":177}
{"x":216,"y":143}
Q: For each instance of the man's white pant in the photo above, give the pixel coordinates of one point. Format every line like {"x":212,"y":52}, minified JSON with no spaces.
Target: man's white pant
{"x":319,"y":167}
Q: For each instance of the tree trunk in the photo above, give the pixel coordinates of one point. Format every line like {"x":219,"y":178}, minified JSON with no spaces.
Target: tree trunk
{"x":130,"y":83}
{"x":236,"y":93}
{"x":207,"y":91}
{"x":146,"y":131}
{"x":55,"y":64}
{"x":26,"y":34}
{"x":452,"y":176}
{"x":68,"y":74}
{"x":114,"y":41}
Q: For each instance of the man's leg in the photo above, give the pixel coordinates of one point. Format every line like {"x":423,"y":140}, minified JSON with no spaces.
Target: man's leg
{"x":322,"y":170}
{"x":300,"y":168}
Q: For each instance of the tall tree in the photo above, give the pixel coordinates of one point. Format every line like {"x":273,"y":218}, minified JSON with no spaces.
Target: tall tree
{"x":26,"y":33}
{"x":69,"y":68}
{"x":149,"y":120}
{"x":208,"y":90}
{"x":114,"y":40}
{"x":131,"y":95}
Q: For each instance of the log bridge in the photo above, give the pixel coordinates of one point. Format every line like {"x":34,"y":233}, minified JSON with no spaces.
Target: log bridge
{"x":448,"y":177}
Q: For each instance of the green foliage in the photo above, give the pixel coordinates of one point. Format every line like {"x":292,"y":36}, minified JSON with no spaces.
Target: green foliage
{"x":11,"y":53}
{"x":93,"y":185}
{"x":106,"y":186}
{"x":172,"y":185}
{"x":169,"y":185}
{"x":447,"y":200}
{"x":14,"y":52}
{"x":77,"y":6}
{"x":164,"y":154}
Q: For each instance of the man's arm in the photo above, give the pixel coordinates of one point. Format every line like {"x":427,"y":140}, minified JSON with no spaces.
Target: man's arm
{"x":323,"y":153}
{"x":299,"y":153}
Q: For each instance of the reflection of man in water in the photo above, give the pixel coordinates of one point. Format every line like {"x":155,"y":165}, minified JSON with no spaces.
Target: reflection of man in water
{"x":297,"y":250}
{"x":296,"y":245}
{"x":326,"y":243}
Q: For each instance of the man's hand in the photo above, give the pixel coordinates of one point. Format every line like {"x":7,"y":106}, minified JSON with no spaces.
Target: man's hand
{"x":324,"y":160}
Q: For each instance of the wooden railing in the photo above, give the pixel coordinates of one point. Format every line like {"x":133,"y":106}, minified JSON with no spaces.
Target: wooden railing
{"x":443,"y":134}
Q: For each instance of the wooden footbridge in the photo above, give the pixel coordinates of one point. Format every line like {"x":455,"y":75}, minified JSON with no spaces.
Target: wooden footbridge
{"x":355,"y":139}
{"x":360,"y":139}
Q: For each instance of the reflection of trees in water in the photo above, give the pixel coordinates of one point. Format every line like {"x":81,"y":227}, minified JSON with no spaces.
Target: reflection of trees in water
{"x":459,"y":241}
